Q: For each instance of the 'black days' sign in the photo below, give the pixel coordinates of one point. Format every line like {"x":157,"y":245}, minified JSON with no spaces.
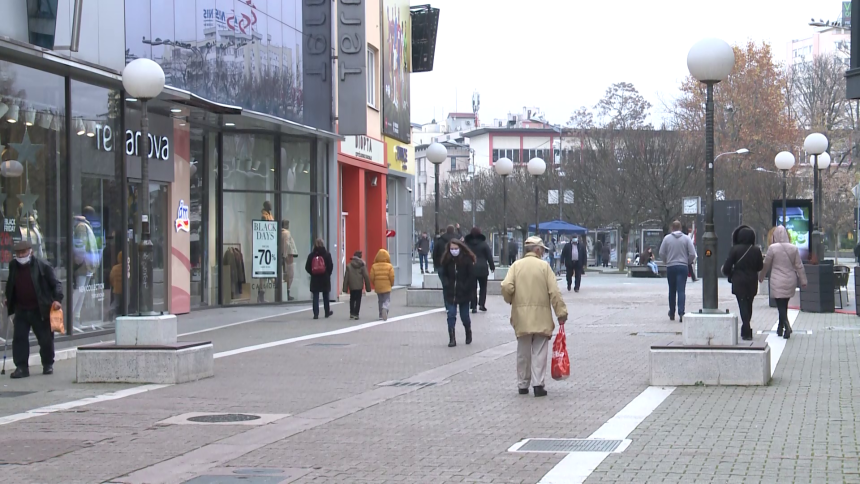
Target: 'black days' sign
{"x":351,"y":63}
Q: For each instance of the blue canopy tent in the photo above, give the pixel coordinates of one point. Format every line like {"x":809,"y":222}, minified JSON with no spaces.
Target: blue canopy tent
{"x":562,"y":227}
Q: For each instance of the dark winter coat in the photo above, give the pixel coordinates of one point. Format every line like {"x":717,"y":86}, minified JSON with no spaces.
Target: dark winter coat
{"x":441,"y":247}
{"x":607,"y":252}
{"x":423,"y":245}
{"x":356,"y":277}
{"x":742,"y":270}
{"x":48,"y":289}
{"x":320,"y":283}
{"x":458,"y":278}
{"x":857,"y":251}
{"x":567,"y":255}
{"x":598,"y":249}
{"x":483,"y":255}
{"x":513,"y":249}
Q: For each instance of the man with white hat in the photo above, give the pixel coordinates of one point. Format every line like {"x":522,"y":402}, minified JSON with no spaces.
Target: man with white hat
{"x":532,"y":291}
{"x":32,"y":291}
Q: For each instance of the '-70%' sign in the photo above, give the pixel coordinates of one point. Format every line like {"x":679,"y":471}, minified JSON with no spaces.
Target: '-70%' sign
{"x":265,"y":249}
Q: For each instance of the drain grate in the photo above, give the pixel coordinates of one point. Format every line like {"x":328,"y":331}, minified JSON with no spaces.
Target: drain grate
{"x":223,"y":418}
{"x":421,"y":384}
{"x":793,"y":331}
{"x":657,"y":333}
{"x":569,"y":445}
{"x":14,"y":394}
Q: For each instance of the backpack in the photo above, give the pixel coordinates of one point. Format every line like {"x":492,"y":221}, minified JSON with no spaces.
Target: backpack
{"x":317,"y":265}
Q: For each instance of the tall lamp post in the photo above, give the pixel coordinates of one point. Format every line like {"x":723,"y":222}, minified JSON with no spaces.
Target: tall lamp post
{"x":784,"y":161}
{"x":436,"y":153}
{"x":710,"y":61}
{"x":822,"y":163}
{"x":504,"y":167}
{"x":815,"y":144}
{"x":536,"y":168}
{"x":143,"y":79}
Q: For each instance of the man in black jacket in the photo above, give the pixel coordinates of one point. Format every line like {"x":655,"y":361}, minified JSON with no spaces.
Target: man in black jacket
{"x":477,"y":242}
{"x":574,"y":255}
{"x":513,"y":251}
{"x":440,"y":246}
{"x":32,"y":291}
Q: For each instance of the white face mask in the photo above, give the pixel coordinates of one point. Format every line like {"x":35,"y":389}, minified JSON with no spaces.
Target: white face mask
{"x":23,"y":260}
{"x":455,"y":252}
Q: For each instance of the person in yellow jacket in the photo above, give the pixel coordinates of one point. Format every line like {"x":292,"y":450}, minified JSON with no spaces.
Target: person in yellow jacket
{"x":382,"y":277}
{"x":532,"y":291}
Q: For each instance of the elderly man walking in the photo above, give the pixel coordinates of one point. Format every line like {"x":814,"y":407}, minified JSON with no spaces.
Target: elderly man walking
{"x":532,"y":291}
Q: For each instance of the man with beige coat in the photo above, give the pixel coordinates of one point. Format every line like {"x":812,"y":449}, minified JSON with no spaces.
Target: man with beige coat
{"x":532,"y":291}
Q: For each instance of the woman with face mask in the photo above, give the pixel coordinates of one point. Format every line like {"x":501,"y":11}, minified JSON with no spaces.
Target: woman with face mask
{"x":458,"y":284}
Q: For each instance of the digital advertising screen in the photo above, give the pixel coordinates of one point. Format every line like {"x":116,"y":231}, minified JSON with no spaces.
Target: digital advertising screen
{"x":798,"y":223}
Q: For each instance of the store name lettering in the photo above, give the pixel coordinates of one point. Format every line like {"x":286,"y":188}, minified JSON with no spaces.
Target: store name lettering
{"x":159,"y":146}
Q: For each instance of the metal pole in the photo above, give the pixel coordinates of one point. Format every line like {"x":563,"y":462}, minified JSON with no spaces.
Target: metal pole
{"x":709,"y":239}
{"x":474,"y":195}
{"x":815,"y":245}
{"x":436,"y":188}
{"x":784,"y":175}
{"x":537,"y":220}
{"x":504,"y":257}
{"x":145,"y":248}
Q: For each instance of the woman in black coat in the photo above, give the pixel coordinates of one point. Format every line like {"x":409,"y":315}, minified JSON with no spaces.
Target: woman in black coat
{"x":320,"y":283}
{"x":458,"y":285}
{"x":484,"y":264}
{"x":742,"y":268}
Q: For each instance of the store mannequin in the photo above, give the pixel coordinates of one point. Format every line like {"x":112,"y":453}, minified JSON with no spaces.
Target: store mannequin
{"x":288,"y":251}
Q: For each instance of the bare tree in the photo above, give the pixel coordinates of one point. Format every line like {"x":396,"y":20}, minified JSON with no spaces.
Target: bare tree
{"x":622,"y":107}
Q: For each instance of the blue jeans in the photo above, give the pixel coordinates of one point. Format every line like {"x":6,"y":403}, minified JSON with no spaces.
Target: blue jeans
{"x":464,"y":314}
{"x":677,"y":277}
{"x":422,"y":263}
{"x":653,"y":266}
{"x":317,"y":303}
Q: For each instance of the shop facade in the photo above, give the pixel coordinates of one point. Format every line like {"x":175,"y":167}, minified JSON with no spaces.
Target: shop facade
{"x":400,"y":159}
{"x":237,"y":196}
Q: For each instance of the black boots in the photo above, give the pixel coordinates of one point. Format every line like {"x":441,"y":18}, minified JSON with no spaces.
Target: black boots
{"x":20,"y":373}
{"x":540,"y":391}
{"x":452,"y":341}
{"x":469,"y":335}
{"x":48,"y":370}
{"x":787,"y":331}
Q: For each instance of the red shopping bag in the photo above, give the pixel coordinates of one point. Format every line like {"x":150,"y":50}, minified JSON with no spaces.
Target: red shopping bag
{"x":560,"y":360}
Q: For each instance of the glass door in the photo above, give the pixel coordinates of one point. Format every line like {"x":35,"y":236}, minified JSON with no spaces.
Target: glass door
{"x":158,"y":226}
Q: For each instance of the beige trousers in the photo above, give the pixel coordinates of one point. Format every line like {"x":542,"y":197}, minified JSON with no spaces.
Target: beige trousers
{"x":531,"y":360}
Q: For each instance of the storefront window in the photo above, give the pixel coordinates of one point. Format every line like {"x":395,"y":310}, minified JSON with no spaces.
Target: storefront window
{"x":296,"y":240}
{"x":249,"y":162}
{"x":248,"y":272}
{"x":33,"y":172}
{"x":159,"y":223}
{"x":97,"y":229}
{"x":202,"y":217}
{"x":296,"y":165}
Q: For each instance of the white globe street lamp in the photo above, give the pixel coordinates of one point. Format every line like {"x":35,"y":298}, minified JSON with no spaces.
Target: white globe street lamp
{"x":816,"y":145}
{"x":144,"y":79}
{"x":710,"y":61}
{"x":536,"y":168}
{"x":784,"y":161}
{"x":436,"y":153}
{"x":504,"y":167}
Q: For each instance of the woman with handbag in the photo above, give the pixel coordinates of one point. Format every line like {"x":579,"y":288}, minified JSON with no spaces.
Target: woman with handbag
{"x":786,"y":270}
{"x":742,"y":269}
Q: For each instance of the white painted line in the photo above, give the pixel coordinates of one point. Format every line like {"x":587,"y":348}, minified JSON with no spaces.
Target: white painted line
{"x":79,"y":403}
{"x":777,"y":343}
{"x":577,"y":466}
{"x":346,"y":330}
{"x":145,"y":388}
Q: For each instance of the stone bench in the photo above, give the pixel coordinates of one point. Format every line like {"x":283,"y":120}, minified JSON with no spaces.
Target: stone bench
{"x":645,"y":271}
{"x":424,"y":298}
{"x":677,"y":364}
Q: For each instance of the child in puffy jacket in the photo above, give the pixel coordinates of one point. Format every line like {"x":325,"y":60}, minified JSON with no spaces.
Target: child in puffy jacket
{"x":382,"y":276}
{"x":355,"y":280}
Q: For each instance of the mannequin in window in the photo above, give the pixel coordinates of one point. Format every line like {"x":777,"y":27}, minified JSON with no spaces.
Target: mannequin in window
{"x":288,"y":252}
{"x":267,"y":211}
{"x":85,"y":261}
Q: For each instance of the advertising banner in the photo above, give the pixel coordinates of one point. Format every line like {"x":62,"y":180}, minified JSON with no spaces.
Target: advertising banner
{"x":397,"y":64}
{"x":798,"y":223}
{"x":265,"y":248}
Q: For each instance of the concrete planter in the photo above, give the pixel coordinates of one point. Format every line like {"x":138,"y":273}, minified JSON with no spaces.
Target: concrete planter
{"x":821,"y":284}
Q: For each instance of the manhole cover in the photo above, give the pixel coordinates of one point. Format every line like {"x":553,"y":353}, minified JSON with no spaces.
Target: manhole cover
{"x":842,"y":328}
{"x":407,"y":384}
{"x":657,"y":333}
{"x":793,"y":331}
{"x":236,"y":480}
{"x":569,"y":445}
{"x":224,"y":417}
{"x":13,"y":394}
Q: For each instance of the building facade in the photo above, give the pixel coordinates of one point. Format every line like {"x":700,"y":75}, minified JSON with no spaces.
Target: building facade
{"x":242,"y":156}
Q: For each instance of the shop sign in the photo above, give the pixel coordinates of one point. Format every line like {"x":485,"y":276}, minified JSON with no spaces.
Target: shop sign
{"x":265,"y":249}
{"x":390,"y":233}
{"x":159,"y":146}
{"x":351,"y":62}
{"x":182,"y":222}
{"x":317,"y":72}
{"x":364,"y":147}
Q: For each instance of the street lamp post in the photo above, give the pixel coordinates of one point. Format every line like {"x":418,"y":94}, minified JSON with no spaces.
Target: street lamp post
{"x":815,"y":144}
{"x":784,"y":161}
{"x":822,"y":163}
{"x":436,"y":153}
{"x":536,"y":168}
{"x":504,"y":167}
{"x":143,"y":79}
{"x":710,"y":61}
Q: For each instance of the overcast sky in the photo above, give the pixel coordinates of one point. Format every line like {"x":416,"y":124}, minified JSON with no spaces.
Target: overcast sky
{"x":558,"y":55}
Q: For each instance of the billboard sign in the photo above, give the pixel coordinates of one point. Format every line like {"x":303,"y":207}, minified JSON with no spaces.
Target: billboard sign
{"x":397,"y":65}
{"x":351,"y":65}
{"x":798,"y":223}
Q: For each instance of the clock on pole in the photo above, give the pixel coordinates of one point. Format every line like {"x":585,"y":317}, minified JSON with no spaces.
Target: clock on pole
{"x":692,"y":205}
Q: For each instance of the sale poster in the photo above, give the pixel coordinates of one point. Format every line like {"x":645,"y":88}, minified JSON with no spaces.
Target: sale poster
{"x":265,"y":249}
